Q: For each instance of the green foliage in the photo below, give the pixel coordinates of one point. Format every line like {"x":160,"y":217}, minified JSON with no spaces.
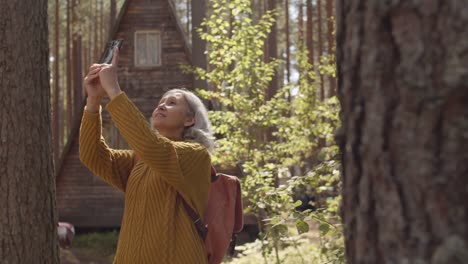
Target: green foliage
{"x":300,"y":251}
{"x":269,"y":137}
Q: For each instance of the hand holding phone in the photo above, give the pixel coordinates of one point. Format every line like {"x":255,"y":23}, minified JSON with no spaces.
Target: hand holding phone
{"x":109,"y":52}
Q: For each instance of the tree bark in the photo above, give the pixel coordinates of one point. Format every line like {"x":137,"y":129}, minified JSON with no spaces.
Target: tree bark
{"x":272,"y":52}
{"x":69,"y":71}
{"x":113,"y":14}
{"x":198,"y":44}
{"x":96,"y":30}
{"x":403,"y":87}
{"x":78,"y":66}
{"x":300,"y":22}
{"x":331,"y":43}
{"x":288,"y":51}
{"x":310,"y":32}
{"x":320,"y":45}
{"x":102,"y":38}
{"x":55,"y":108}
{"x":89,"y":37}
{"x":28,"y":221}
{"x":188,"y":4}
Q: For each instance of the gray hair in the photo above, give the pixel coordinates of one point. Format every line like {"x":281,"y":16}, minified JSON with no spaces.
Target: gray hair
{"x":201,"y":131}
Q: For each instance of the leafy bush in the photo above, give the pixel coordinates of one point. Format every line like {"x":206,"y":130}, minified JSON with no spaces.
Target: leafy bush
{"x":271,"y":138}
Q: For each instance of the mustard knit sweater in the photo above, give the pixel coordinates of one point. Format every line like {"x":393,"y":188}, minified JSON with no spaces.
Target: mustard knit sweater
{"x":155,"y":226}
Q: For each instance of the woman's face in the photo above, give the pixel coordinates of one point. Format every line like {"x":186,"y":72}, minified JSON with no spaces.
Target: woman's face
{"x":172,"y":114}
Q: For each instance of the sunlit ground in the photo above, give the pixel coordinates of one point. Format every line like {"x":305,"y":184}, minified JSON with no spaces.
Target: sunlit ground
{"x":85,"y":251}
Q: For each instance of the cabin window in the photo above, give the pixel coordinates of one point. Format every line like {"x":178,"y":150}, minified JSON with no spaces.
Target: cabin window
{"x":147,"y":48}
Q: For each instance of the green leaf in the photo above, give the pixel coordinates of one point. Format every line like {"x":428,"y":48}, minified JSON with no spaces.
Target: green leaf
{"x":297,"y":203}
{"x":302,"y":227}
{"x":282,"y":229}
{"x":324,"y":228}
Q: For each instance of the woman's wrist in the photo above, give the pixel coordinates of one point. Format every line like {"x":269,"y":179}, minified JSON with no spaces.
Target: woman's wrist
{"x":93,"y":103}
{"x":114,"y":92}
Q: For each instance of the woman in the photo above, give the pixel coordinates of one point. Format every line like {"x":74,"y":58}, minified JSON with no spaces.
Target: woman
{"x":174,"y":159}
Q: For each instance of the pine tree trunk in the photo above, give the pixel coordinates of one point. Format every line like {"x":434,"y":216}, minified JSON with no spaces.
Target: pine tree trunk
{"x":89,"y":37}
{"x":28,"y":221}
{"x":331,"y":43}
{"x":320,"y":45}
{"x":76,"y":59}
{"x":69,"y":72}
{"x":288,"y":51}
{"x":55,"y":108}
{"x":403,"y":87}
{"x":300,"y":22}
{"x":113,"y":14}
{"x":272,"y":52}
{"x":187,"y":12}
{"x":102,"y":39}
{"x":77,"y":81}
{"x":96,"y":31}
{"x":198,"y":45}
{"x":310,"y":32}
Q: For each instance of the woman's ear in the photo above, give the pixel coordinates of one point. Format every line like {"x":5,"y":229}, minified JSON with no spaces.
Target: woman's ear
{"x":189,"y":121}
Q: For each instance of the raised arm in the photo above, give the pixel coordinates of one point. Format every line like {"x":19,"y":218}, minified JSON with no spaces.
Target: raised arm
{"x":114,"y":166}
{"x":176,"y":161}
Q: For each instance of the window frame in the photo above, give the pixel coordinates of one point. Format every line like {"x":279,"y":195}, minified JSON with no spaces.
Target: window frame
{"x":159,"y":51}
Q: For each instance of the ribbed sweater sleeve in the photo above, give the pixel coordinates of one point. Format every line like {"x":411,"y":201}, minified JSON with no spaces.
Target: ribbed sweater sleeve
{"x":184,"y":165}
{"x":114,"y":166}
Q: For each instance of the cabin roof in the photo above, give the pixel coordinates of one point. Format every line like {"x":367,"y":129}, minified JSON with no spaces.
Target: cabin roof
{"x":173,"y":13}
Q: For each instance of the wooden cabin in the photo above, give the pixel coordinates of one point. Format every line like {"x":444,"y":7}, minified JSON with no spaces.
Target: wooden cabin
{"x":149,"y":64}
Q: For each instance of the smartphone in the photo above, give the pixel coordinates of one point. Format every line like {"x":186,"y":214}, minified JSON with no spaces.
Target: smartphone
{"x":109,"y":52}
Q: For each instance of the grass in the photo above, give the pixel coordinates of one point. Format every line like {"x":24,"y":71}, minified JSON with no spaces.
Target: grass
{"x":91,"y":248}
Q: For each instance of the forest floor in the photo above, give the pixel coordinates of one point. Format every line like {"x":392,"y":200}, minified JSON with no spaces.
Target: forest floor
{"x":81,"y":253}
{"x":83,"y":256}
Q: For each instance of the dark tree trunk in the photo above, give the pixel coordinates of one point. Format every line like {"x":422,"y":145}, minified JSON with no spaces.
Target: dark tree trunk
{"x":76,"y":69}
{"x":77,"y":83}
{"x":95,"y":31}
{"x":198,"y":45}
{"x":28,"y":221}
{"x":272,"y":52}
{"x":69,"y":71}
{"x":102,"y":39}
{"x":187,"y":16}
{"x":331,"y":42}
{"x":89,"y":36}
{"x":113,"y":14}
{"x":288,"y":52}
{"x":310,"y":32}
{"x":301,"y":22}
{"x":55,"y":108}
{"x":403,"y":87}
{"x":320,"y":44}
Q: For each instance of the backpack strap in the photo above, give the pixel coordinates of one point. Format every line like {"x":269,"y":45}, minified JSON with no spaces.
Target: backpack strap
{"x":196,"y":219}
{"x":214,"y":174}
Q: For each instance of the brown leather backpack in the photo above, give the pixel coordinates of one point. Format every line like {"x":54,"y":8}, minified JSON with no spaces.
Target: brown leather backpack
{"x":223,"y":218}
